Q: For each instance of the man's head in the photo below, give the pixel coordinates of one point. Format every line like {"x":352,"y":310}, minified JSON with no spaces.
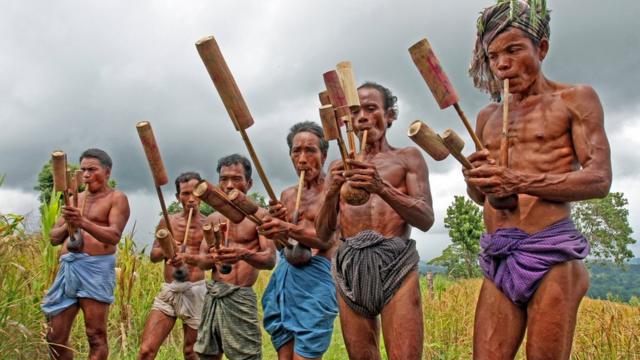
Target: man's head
{"x":307,"y":148}
{"x":234,"y":172}
{"x":378,"y":110}
{"x":96,"y":168}
{"x":185,"y":184}
{"x":512,"y":41}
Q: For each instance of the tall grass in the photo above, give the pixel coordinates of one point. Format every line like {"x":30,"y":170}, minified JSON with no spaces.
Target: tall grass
{"x":605,"y":330}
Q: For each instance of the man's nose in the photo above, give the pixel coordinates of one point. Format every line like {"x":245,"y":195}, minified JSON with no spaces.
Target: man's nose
{"x":504,"y":63}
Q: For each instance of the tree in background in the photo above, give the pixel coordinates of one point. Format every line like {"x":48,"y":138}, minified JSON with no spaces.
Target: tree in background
{"x":604,"y":222}
{"x":45,"y":182}
{"x":206,"y":209}
{"x":464,"y":221}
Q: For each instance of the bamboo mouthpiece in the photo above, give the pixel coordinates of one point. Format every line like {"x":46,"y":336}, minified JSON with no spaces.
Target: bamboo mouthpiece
{"x":428,"y":140}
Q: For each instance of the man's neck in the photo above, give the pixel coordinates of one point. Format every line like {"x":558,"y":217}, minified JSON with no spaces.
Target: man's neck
{"x":380,"y":146}
{"x":540,"y":86}
{"x":318,"y":181}
{"x":101,"y":190}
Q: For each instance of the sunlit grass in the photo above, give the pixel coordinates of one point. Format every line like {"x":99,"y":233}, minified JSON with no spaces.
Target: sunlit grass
{"x":605,"y":330}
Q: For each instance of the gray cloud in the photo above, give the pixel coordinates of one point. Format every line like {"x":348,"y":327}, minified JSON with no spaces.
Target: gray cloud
{"x":81,"y":74}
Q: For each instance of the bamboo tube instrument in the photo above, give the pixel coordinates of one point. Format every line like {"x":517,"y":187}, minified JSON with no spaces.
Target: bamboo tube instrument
{"x":158,"y":172}
{"x":504,"y":141}
{"x":232,"y":99}
{"x":299,"y":254}
{"x":222,"y":238}
{"x":235,"y":210}
{"x":443,"y":91}
{"x":428,"y":140}
{"x":61,"y":179}
{"x":343,"y":106}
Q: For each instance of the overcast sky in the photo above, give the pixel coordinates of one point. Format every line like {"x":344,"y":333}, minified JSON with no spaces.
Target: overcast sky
{"x":79,"y":74}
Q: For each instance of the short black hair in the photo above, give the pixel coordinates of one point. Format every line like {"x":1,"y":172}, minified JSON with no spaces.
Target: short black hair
{"x":186,"y":177}
{"x":236,"y":159}
{"x":310,"y":127}
{"x":98,"y":154}
{"x":390,"y":100}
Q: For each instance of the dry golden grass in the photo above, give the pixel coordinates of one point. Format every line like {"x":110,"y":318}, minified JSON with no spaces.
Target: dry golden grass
{"x":605,"y":330}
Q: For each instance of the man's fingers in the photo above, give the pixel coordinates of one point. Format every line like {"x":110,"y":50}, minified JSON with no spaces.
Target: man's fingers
{"x":480,"y":155}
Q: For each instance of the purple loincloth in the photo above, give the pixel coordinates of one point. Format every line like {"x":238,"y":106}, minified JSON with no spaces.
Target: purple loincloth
{"x":516,"y":261}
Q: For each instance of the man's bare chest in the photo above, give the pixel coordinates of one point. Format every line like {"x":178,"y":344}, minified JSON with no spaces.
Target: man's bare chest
{"x":534,"y":125}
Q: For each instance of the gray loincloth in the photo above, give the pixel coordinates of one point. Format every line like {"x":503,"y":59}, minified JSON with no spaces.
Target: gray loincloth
{"x":368,"y":269}
{"x":229,"y":323}
{"x":182,"y":300}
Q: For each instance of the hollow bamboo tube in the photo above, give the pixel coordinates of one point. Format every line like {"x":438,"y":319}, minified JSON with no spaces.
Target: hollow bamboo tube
{"x":438,"y":82}
{"x":363,"y":141}
{"x":165,"y":239}
{"x":59,"y":170}
{"x":151,"y":150}
{"x":215,"y":197}
{"x":329,"y":124}
{"x":324,"y":98}
{"x":186,"y":229}
{"x":504,"y":141}
{"x":232,"y":98}
{"x":209,"y":236}
{"x":347,"y":80}
{"x":245,"y":204}
{"x":428,"y":140}
{"x":224,"y":82}
{"x":455,"y":144}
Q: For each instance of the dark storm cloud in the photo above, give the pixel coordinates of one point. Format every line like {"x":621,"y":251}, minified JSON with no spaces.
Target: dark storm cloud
{"x":77,"y":75}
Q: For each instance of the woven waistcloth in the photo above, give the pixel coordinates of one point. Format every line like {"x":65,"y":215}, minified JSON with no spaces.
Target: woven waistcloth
{"x":229,"y":323}
{"x":369,"y":268}
{"x":517,"y":261}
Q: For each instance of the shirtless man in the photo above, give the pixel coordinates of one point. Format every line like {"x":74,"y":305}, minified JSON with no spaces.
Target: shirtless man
{"x":559,"y":153}
{"x":179,"y":298}
{"x":375,"y":267}
{"x":86,"y":279}
{"x":301,"y":331}
{"x":230,"y":315}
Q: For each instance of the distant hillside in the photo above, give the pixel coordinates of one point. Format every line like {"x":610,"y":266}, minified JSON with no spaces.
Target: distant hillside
{"x":424,"y":268}
{"x":614,"y":282}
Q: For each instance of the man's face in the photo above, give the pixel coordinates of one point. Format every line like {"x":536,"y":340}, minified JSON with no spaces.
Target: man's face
{"x":186,"y":197}
{"x":372,"y":116}
{"x":306,"y":155}
{"x":513,"y":56}
{"x":233,"y":177}
{"x":94,"y":175}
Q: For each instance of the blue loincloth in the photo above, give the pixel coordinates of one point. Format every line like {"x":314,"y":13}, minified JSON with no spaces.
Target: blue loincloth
{"x":300,"y":304}
{"x":81,"y":276}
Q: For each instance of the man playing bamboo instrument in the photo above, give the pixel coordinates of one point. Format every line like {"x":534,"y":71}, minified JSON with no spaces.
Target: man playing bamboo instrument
{"x":179,"y":298}
{"x":230,"y":315}
{"x":300,"y":302}
{"x":531,"y":257}
{"x":86,"y":279}
{"x":375,"y":267}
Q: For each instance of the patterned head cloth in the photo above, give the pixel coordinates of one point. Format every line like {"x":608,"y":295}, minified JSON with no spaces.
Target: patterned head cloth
{"x":532,"y":18}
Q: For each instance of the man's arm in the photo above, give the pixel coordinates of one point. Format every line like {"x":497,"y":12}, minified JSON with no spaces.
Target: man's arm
{"x":415,"y":206}
{"x":305,"y":234}
{"x":326,"y":222}
{"x":59,"y":232}
{"x":591,"y":146}
{"x":156,"y":254}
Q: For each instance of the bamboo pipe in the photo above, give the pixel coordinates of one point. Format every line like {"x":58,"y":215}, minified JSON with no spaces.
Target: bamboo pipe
{"x":332,"y":131}
{"x":428,"y":140}
{"x":167,"y":243}
{"x":232,"y":99}
{"x":298,"y":196}
{"x":455,"y":144}
{"x":363,"y":142}
{"x":504,"y":141}
{"x":186,"y":229}
{"x":158,"y":171}
{"x":443,"y":91}
{"x":298,"y":254}
{"x":60,"y":184}
{"x":223,"y":230}
{"x":209,"y":236}
{"x":324,"y":98}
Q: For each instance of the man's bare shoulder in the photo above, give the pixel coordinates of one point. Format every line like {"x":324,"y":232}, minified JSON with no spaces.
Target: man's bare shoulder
{"x":582,"y":101}
{"x":411,"y":156}
{"x":289,"y":192}
{"x":119,"y":197}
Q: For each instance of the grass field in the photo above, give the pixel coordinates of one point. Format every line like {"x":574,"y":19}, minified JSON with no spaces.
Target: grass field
{"x":605,"y":330}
